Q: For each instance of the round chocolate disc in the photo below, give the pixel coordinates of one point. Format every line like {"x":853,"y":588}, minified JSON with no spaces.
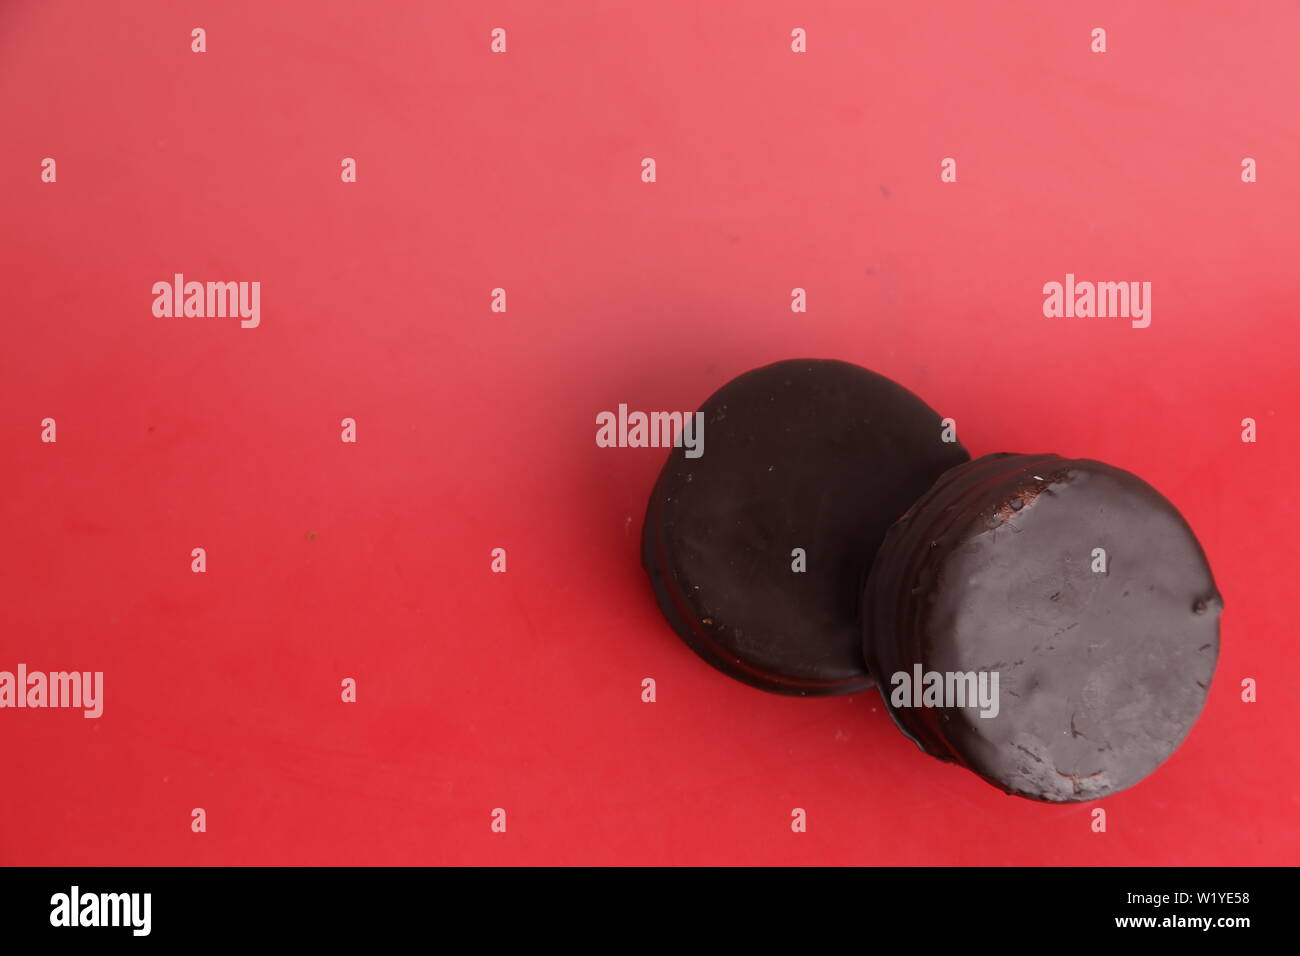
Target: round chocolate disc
{"x":757,"y":548}
{"x":1050,"y":624}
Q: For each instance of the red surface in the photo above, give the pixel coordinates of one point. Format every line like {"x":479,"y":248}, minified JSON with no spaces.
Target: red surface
{"x":476,"y":429}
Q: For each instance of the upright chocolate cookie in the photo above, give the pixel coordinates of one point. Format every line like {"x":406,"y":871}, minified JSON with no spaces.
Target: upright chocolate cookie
{"x":757,"y":549}
{"x":1075,"y":583}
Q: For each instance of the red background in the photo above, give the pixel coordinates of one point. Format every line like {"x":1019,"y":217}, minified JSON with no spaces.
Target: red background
{"x":476,"y":429}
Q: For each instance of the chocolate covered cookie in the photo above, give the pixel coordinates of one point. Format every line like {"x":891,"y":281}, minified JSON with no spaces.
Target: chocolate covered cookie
{"x":757,"y":550}
{"x":1050,"y":624}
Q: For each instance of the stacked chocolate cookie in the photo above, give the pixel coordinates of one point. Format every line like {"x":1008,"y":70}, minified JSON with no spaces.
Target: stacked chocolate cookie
{"x":1050,"y":624}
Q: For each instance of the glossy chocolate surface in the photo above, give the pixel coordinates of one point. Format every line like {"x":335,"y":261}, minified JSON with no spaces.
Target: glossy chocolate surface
{"x":808,"y":454}
{"x":1101,"y":672}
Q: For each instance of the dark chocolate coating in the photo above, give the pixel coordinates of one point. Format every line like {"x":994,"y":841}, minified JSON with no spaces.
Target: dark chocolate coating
{"x":808,"y":453}
{"x":1101,"y":674}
